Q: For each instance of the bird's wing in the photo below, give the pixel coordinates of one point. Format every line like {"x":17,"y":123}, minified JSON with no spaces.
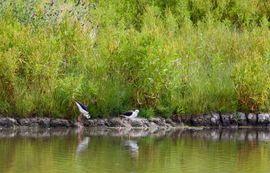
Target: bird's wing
{"x":82,"y":105}
{"x":78,"y":105}
{"x":129,"y":113}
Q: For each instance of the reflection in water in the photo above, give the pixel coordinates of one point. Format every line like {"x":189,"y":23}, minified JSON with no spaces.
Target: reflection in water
{"x":83,"y":145}
{"x":207,"y":134}
{"x":189,"y":151}
{"x":82,"y":141}
{"x":132,"y":147}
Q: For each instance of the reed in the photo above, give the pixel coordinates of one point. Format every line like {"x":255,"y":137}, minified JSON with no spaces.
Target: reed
{"x":166,"y":58}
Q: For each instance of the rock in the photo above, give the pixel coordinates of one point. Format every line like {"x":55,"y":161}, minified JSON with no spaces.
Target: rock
{"x":8,"y":122}
{"x":90,"y":123}
{"x":153,"y":126}
{"x":26,"y":121}
{"x":60,"y":123}
{"x":86,"y":123}
{"x":139,"y":122}
{"x":252,"y":119}
{"x":201,"y":120}
{"x":96,"y":123}
{"x":176,"y":119}
{"x":118,"y":122}
{"x":212,"y":120}
{"x":102,"y":123}
{"x":215,"y":119}
{"x":263,"y":119}
{"x":159,"y":121}
{"x":208,"y":120}
{"x":35,"y":122}
{"x":44,"y":122}
{"x":186,"y":120}
{"x":170,"y":122}
{"x":241,"y":118}
{"x":168,"y":126}
{"x":228,"y":119}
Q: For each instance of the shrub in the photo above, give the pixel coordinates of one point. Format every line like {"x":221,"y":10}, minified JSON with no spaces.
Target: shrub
{"x":163,"y":57}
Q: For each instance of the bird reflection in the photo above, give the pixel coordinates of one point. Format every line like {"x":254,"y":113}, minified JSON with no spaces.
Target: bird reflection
{"x":132,"y":147}
{"x":83,"y":142}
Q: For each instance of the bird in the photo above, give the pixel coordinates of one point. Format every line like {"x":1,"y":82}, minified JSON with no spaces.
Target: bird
{"x":131,"y":114}
{"x":83,"y":112}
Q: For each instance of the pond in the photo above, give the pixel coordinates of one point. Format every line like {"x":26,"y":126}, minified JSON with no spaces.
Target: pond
{"x":108,"y":151}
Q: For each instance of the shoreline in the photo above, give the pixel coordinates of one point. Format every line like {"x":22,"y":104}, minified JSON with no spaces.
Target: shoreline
{"x":213,"y":120}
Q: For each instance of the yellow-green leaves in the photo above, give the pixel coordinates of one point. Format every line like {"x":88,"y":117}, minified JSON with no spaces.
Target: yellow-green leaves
{"x":252,"y":83}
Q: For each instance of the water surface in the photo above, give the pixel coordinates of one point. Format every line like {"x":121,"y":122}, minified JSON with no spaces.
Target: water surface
{"x":189,"y":151}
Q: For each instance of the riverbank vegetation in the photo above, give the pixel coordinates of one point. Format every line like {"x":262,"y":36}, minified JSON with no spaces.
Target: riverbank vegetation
{"x":164,"y":57}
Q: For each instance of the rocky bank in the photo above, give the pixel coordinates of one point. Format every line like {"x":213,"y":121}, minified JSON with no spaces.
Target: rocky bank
{"x":213,"y":120}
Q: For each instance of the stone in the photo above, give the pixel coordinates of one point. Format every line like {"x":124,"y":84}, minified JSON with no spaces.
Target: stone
{"x":35,"y":122}
{"x":201,"y":120}
{"x":263,"y":119}
{"x":139,"y":122}
{"x":153,"y":126}
{"x":118,"y":122}
{"x":170,"y":122}
{"x":176,"y":119}
{"x":8,"y":122}
{"x":186,"y":120}
{"x":86,"y":123}
{"x":25,"y":121}
{"x":241,"y":118}
{"x":159,"y":121}
{"x":60,"y":123}
{"x":90,"y":123}
{"x":96,"y":123}
{"x":44,"y":122}
{"x":215,"y":119}
{"x":252,"y":119}
{"x":102,"y":122}
{"x":228,"y":119}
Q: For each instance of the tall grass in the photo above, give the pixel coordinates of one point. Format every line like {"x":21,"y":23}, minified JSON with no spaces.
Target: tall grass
{"x":164,"y":57}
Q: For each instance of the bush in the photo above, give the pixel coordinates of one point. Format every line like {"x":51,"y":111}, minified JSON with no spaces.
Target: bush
{"x":163,"y":57}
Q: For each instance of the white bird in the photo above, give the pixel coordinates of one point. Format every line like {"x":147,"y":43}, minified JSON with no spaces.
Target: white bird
{"x":131,"y":114}
{"x":83,"y":111}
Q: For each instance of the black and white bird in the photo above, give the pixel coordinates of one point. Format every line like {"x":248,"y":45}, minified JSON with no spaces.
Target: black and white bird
{"x":131,"y":114}
{"x":83,"y":111}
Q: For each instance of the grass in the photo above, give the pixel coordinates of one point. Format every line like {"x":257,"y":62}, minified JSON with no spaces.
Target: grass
{"x":165,"y":58}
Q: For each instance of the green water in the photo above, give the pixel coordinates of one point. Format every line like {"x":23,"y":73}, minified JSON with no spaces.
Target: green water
{"x":210,"y":151}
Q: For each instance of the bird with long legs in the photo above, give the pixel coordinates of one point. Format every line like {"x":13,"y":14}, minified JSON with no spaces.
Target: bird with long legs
{"x":130,"y":114}
{"x":83,"y":112}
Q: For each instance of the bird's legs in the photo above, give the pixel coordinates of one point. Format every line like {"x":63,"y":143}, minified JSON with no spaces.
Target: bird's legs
{"x":80,"y":119}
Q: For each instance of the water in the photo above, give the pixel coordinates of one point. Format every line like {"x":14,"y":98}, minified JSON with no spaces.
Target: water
{"x":188,"y":151}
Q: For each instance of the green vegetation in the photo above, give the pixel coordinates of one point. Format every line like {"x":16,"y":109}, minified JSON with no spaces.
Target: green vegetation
{"x":164,"y":57}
